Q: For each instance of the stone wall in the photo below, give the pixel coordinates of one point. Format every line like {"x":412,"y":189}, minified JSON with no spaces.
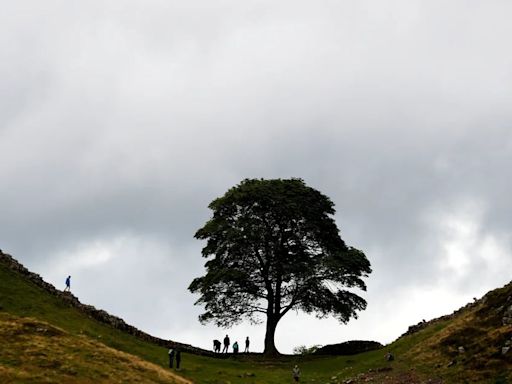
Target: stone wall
{"x":97,"y":314}
{"x":502,"y":309}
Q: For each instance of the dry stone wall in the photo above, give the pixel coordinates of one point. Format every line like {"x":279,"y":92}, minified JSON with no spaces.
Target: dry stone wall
{"x":97,"y":314}
{"x":502,"y":309}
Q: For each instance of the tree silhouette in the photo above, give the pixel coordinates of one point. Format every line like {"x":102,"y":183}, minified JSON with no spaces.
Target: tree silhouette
{"x":273,"y":246}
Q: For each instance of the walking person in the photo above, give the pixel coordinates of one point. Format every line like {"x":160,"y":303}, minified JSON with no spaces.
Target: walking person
{"x":68,"y":284}
{"x":226,"y":344}
{"x":178,"y":359}
{"x":247,"y":342}
{"x":296,"y":373}
{"x":171,"y":357}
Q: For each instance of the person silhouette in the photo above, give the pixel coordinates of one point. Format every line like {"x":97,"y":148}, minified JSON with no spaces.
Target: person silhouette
{"x":296,"y":373}
{"x":178,"y":358}
{"x":247,"y":342}
{"x":226,"y":344}
{"x":68,"y":284}
{"x":216,"y":346}
{"x":171,"y":357}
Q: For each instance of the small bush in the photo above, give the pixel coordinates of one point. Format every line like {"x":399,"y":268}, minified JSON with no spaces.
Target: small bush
{"x":303,"y":350}
{"x":352,"y":347}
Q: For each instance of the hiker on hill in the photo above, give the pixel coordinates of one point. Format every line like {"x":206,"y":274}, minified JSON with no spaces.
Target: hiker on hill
{"x":247,"y":345}
{"x":235,"y":347}
{"x":178,"y":358}
{"x":68,"y":284}
{"x":296,"y":373}
{"x":216,"y":346}
{"x":226,"y":344}
{"x":171,"y":357}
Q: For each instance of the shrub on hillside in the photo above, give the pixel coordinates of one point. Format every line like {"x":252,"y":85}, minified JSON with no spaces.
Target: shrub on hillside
{"x":352,"y":347}
{"x":303,"y":350}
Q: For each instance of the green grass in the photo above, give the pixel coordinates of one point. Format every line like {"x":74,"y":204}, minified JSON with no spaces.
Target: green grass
{"x":422,"y":351}
{"x":23,"y":298}
{"x":39,"y":352}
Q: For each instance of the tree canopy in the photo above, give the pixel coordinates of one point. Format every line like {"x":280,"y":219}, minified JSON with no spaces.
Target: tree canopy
{"x":273,"y":246}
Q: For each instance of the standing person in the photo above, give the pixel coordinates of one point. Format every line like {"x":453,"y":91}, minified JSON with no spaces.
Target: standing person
{"x":178,"y":358}
{"x":68,"y":284}
{"x":235,"y":347}
{"x":171,"y":357}
{"x":296,"y":373}
{"x":247,"y":345}
{"x":226,"y":344}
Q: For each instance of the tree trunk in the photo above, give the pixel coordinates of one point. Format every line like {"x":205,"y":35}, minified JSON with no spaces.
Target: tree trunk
{"x":270,"y":347}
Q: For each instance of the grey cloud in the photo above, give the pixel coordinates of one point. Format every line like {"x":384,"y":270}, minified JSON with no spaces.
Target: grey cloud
{"x":123,"y":120}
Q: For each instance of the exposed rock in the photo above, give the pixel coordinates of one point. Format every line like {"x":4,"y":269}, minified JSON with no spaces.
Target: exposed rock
{"x":504,"y":350}
{"x":452,"y":363}
{"x":461,"y":349}
{"x":507,"y":315}
{"x":506,"y":319}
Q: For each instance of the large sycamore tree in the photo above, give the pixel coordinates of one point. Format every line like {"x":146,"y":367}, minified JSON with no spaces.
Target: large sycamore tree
{"x":273,"y":246}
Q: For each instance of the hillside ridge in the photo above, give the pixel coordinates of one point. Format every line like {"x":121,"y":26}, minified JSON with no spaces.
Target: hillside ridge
{"x":98,"y":314}
{"x":469,"y":346}
{"x":505,"y":310}
{"x":39,"y":352}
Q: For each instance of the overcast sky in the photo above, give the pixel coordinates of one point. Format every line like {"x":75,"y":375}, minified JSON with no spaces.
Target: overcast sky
{"x":121,"y":120}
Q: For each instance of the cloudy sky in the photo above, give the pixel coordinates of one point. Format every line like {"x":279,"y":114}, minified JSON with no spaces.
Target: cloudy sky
{"x":121,"y":120}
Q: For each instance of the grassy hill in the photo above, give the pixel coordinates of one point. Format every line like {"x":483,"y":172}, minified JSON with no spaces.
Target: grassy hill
{"x":45,"y":338}
{"x":35,"y":351}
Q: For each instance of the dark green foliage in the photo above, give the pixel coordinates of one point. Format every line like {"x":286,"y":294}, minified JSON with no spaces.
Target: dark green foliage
{"x":501,"y":379}
{"x":276,"y":247}
{"x":351,"y":347}
{"x":303,"y":350}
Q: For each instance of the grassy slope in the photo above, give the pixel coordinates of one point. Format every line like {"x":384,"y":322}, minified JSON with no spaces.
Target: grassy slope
{"x":479,"y":329}
{"x":423,"y":350}
{"x":38,"y":352}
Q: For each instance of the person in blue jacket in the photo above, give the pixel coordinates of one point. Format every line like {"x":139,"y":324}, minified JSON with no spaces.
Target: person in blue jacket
{"x":68,"y":284}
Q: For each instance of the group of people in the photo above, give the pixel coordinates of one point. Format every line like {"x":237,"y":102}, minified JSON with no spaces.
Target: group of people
{"x":174,"y":353}
{"x":227,"y":343}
